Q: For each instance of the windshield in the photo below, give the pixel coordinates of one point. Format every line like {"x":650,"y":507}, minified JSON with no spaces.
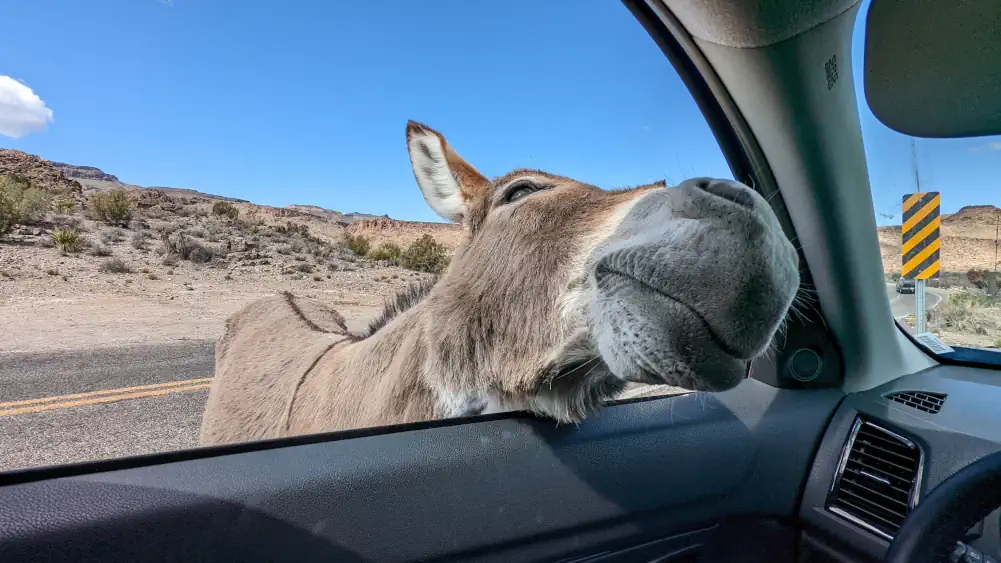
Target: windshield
{"x":936,"y":204}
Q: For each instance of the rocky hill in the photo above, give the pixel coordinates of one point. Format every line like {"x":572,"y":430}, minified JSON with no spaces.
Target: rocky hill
{"x":41,"y":173}
{"x":80,"y":182}
{"x":84,"y":172}
{"x":402,"y":233}
{"x":967,"y":240}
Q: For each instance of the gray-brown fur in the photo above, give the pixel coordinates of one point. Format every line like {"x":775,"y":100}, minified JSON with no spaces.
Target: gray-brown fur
{"x":406,"y":298}
{"x":552,"y":303}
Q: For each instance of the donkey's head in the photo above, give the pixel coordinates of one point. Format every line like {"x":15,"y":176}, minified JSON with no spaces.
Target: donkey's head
{"x":561,"y":292}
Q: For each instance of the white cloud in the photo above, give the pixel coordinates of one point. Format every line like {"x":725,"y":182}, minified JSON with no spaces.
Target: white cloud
{"x":21,"y":110}
{"x":992,"y":146}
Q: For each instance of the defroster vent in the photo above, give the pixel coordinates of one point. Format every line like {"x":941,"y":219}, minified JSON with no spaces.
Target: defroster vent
{"x":923,"y":401}
{"x":878,"y":479}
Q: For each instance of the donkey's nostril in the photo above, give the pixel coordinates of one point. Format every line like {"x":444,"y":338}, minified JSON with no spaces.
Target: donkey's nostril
{"x":727,"y":190}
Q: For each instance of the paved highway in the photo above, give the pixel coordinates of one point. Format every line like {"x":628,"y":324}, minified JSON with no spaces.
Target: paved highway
{"x":904,"y":304}
{"x":75,"y":406}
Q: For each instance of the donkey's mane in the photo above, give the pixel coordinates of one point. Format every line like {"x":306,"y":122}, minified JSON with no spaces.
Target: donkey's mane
{"x":403,"y":300}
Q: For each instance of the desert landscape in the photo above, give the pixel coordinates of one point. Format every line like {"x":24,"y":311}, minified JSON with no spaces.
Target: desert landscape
{"x":94,"y":262}
{"x":112,"y":296}
{"x":966,"y":315}
{"x":90,"y":261}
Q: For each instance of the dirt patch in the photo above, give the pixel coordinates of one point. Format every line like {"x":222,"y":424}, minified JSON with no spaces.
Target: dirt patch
{"x":128,"y":287}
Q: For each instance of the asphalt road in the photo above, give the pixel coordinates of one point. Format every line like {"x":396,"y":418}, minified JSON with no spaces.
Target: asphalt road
{"x":905,"y":304}
{"x":66,"y":407}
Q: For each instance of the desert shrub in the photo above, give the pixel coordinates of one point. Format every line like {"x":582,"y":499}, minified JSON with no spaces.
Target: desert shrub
{"x":977,"y":278}
{"x":299,"y":247}
{"x":113,"y":207}
{"x":112,"y":236}
{"x":358,"y":244}
{"x":138,"y":240}
{"x":68,"y":221}
{"x":155,"y":212}
{"x":20,"y":203}
{"x":187,"y":248}
{"x":290,"y":228}
{"x":180,"y":244}
{"x":63,"y":205}
{"x":386,"y":251}
{"x":97,"y":249}
{"x":425,"y":255}
{"x":223,"y":209}
{"x":201,"y":254}
{"x":970,"y":313}
{"x":115,"y":266}
{"x":67,"y":239}
{"x":164,"y":230}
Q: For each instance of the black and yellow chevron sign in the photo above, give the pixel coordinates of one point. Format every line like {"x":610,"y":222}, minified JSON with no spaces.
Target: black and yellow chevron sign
{"x":920,"y":236}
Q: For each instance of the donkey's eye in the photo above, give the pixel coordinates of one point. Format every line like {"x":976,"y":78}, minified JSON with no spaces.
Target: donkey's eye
{"x":519,"y":190}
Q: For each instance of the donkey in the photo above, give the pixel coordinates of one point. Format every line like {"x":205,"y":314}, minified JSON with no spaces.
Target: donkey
{"x":559,"y":296}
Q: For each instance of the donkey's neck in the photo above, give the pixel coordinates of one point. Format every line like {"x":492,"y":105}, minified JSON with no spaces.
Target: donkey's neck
{"x":380,"y":379}
{"x":393,"y":361}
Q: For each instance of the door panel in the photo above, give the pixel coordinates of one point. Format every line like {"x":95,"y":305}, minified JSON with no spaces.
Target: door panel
{"x":506,"y":487}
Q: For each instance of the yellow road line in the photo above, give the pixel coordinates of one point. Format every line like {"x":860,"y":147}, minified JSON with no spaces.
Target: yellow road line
{"x":105,"y":392}
{"x":103,"y":399}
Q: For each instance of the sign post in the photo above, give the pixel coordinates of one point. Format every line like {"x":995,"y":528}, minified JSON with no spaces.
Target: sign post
{"x":920,"y":245}
{"x":919,"y":299}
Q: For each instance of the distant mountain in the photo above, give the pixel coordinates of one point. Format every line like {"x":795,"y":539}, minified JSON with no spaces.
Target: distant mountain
{"x":96,"y":180}
{"x":336,"y":216}
{"x":84,"y":172}
{"x":967,"y":240}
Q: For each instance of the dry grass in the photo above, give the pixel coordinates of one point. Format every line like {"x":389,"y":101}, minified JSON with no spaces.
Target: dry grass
{"x":115,"y":266}
{"x":967,"y":318}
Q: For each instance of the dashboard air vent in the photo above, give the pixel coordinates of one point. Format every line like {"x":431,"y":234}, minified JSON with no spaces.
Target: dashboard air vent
{"x":878,"y":479}
{"x":928,"y":402}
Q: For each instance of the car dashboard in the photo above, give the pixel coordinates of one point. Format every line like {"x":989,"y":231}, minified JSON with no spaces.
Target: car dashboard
{"x":886,"y":447}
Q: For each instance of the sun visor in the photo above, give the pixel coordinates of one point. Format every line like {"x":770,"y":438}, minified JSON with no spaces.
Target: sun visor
{"x":933,"y":67}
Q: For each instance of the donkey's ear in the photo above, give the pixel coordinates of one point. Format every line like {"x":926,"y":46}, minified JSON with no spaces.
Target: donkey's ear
{"x":447,"y":181}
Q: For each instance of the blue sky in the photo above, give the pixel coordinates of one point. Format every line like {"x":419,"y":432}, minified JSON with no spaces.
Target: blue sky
{"x":300,"y":101}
